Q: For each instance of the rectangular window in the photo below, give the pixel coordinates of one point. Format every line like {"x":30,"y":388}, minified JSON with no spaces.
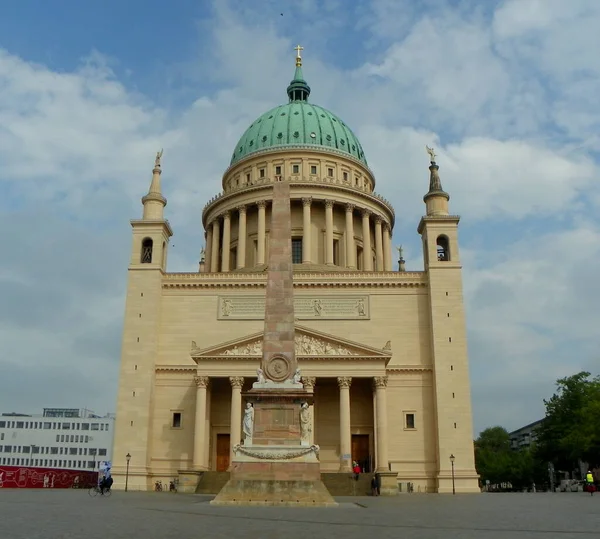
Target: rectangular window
{"x":409,"y":421}
{"x":278,"y":170}
{"x":106,"y":427}
{"x":313,"y":170}
{"x":92,"y":451}
{"x":336,"y":252}
{"x":8,"y":448}
{"x":345,"y":176}
{"x":35,"y":449}
{"x":58,"y":437}
{"x":72,"y":437}
{"x":261,"y":173}
{"x":102,"y":452}
{"x":72,"y":451}
{"x":26,"y":449}
{"x":2,"y":424}
{"x":91,"y":464}
{"x":62,"y":450}
{"x":66,"y":426}
{"x":295,"y":169}
{"x":54,"y":450}
{"x":77,"y":439}
{"x":247,"y":178}
{"x":2,"y":436}
{"x":85,"y":426}
{"x":102,"y":424}
{"x":330,"y":172}
{"x":359,"y":258}
{"x":86,"y":439}
{"x":47,"y":425}
{"x":20,"y":425}
{"x":176,"y":423}
{"x":95,"y":426}
{"x":297,"y":250}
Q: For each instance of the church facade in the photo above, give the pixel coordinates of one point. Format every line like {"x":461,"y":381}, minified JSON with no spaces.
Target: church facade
{"x":383,"y":349}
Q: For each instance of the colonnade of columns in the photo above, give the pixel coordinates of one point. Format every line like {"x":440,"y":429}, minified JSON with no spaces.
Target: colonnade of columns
{"x":202,"y":429}
{"x":218,"y":239}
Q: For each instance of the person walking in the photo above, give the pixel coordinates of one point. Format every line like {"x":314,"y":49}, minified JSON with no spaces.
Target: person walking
{"x":589,"y":482}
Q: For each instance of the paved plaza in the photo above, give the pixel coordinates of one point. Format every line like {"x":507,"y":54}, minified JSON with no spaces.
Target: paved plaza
{"x":66,"y":514}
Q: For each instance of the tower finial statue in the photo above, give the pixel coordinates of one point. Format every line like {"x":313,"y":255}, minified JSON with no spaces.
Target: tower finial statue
{"x":431,"y":153}
{"x":157,"y":159}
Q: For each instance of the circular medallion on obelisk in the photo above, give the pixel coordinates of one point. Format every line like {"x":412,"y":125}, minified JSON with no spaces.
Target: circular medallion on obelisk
{"x":278,"y":369}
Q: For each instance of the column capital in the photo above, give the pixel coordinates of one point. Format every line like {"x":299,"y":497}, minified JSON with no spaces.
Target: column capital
{"x":202,"y":381}
{"x":329,"y":203}
{"x":241,"y":208}
{"x":344,"y":382}
{"x":365,"y":212}
{"x":387,"y":226}
{"x":226,"y":214}
{"x":378,"y":219}
{"x":261,"y":203}
{"x":236,"y":381}
{"x":350,"y":207}
{"x":309,"y":382}
{"x":380,"y":381}
{"x":306,"y":201}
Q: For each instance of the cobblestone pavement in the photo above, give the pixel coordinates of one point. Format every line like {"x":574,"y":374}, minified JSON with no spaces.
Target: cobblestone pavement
{"x":66,"y":514}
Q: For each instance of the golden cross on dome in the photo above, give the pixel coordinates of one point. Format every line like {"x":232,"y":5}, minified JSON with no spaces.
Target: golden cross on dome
{"x":298,"y":48}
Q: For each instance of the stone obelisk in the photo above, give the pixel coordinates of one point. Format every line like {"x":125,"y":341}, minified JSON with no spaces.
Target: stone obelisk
{"x":277,"y":465}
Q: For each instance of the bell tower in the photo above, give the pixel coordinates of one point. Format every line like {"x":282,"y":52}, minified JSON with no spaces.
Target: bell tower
{"x":139,"y":349}
{"x":448,"y":341}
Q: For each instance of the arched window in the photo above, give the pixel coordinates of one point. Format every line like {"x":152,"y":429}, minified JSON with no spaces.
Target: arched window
{"x":443,"y":248}
{"x":146,"y":251}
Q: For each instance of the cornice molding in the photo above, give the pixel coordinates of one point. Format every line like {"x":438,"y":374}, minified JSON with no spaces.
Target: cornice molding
{"x":404,"y":369}
{"x":176,"y":369}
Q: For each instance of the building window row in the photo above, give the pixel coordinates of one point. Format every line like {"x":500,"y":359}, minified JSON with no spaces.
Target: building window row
{"x":52,"y":450}
{"x":55,"y":463}
{"x":48,"y":425}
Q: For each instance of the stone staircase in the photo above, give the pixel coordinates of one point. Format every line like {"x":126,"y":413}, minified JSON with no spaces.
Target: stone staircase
{"x":344,"y":484}
{"x":212,"y":482}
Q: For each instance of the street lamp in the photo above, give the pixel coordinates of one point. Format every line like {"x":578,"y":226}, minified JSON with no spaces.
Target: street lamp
{"x":127,"y":458}
{"x":452,"y":458}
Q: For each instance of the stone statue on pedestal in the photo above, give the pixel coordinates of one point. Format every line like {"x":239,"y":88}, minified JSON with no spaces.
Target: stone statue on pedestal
{"x":305,"y":423}
{"x":248,"y":423}
{"x":260,"y":375}
{"x":297,"y":379}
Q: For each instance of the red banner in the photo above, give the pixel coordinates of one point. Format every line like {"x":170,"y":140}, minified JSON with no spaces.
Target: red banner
{"x":24,"y":477}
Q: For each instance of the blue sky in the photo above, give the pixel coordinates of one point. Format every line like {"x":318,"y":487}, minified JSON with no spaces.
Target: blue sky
{"x":508,"y":92}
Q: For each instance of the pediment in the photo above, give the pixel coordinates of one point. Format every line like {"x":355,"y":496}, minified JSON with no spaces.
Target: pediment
{"x":309,"y":344}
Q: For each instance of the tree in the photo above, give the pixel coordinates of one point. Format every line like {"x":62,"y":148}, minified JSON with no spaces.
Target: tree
{"x":571,"y":428}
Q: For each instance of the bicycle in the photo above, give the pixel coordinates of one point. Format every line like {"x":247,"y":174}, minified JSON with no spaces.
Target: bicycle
{"x":95,"y":490}
{"x":158,"y":486}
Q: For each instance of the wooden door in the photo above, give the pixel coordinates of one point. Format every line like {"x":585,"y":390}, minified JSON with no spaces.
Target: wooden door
{"x":360,"y":451}
{"x":223,"y":451}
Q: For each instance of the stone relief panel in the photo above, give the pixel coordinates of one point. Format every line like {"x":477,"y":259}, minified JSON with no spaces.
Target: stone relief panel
{"x":305,"y":308}
{"x":305,"y":346}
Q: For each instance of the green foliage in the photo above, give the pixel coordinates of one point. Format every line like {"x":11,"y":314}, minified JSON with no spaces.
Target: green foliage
{"x":497,"y":463}
{"x":571,"y":428}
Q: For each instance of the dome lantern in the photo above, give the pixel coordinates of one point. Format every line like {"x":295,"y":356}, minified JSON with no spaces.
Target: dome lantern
{"x":298,"y":90}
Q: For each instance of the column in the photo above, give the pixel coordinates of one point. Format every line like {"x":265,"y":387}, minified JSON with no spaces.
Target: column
{"x":329,"y":232}
{"x":214,"y":256}
{"x":380,"y":383}
{"x":306,"y":243}
{"x":241,"y":250}
{"x":378,"y":244}
{"x":209,"y":235}
{"x":366,"y":232}
{"x":387,"y":247}
{"x":309,"y":384}
{"x":350,"y":246}
{"x":235,"y":429}
{"x":262,"y":204}
{"x":345,"y":435}
{"x":200,"y":421}
{"x":226,"y":241}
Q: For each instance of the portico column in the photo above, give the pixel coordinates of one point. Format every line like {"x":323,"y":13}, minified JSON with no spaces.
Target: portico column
{"x":200,"y":421}
{"x":344,"y":383}
{"x":366,"y":232}
{"x":226,"y":241}
{"x":214,"y":256}
{"x":309,"y":384}
{"x":262,"y":204}
{"x":306,"y":247}
{"x":235,"y":431}
{"x":329,"y":232}
{"x":241,"y":250}
{"x":380,"y":383}
{"x":350,"y":247}
{"x":387,"y":246}
{"x":378,"y":244}
{"x":209,"y":241}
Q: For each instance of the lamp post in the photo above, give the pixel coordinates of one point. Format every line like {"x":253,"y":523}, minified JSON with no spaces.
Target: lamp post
{"x":127,"y":458}
{"x":452,"y":458}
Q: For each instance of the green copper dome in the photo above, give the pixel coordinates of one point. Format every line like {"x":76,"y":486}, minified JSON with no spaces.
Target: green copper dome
{"x":298,"y":124}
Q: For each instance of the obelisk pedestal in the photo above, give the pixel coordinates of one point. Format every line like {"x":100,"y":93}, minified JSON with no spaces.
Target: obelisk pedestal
{"x":275,"y":464}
